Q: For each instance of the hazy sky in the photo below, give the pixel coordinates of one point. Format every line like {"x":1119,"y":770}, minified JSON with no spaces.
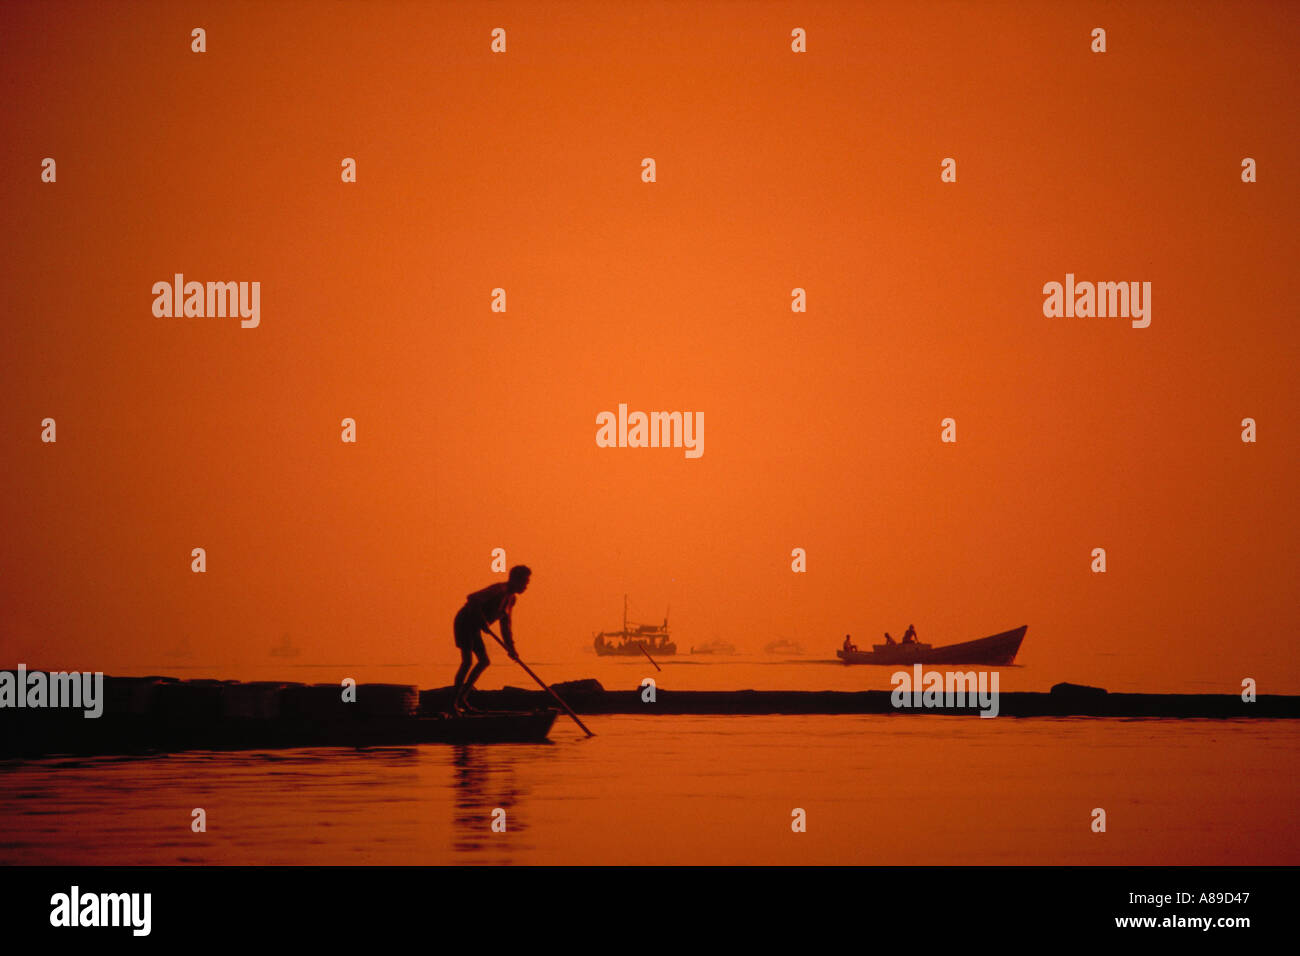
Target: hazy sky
{"x":775,"y":170}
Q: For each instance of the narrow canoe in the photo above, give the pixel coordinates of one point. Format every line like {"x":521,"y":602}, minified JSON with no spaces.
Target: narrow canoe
{"x":527,"y":726}
{"x":997,"y":650}
{"x":40,"y":733}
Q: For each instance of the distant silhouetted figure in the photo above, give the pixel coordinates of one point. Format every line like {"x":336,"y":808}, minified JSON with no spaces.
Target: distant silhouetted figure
{"x":848,"y":644}
{"x":889,"y":638}
{"x":909,"y":636}
{"x":482,"y":608}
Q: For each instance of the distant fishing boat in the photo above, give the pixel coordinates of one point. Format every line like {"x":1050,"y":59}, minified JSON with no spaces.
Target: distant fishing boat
{"x":783,"y":646}
{"x":715,"y":647}
{"x":633,"y":639}
{"x":285,"y":649}
{"x":181,"y":652}
{"x":999,"y":649}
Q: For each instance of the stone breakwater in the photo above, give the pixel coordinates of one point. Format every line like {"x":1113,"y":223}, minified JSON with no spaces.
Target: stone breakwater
{"x":160,"y":714}
{"x":1064,"y":700}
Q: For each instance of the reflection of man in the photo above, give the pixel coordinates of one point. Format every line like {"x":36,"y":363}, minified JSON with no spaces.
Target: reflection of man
{"x":483,"y":608}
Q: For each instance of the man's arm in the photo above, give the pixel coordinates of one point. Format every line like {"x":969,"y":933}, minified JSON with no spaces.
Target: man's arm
{"x":507,"y":633}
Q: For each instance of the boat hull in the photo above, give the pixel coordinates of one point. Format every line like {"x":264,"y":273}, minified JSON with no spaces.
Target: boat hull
{"x":502,"y":727}
{"x":997,"y":650}
{"x":633,"y":649}
{"x":784,"y":647}
{"x":38,"y":733}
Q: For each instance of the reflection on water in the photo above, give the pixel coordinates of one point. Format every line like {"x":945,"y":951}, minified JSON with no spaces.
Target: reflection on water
{"x":484,"y":778}
{"x":691,"y":789}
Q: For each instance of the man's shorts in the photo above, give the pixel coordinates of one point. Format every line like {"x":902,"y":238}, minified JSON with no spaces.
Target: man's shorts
{"x":469,"y":636}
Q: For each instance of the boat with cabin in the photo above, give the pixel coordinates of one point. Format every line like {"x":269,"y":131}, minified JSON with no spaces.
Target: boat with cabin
{"x":633,"y":639}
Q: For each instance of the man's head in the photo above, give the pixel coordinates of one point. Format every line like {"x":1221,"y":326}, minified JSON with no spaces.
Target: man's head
{"x":517,"y":582}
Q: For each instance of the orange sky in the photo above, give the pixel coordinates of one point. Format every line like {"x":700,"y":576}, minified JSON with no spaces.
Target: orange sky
{"x":775,"y":170}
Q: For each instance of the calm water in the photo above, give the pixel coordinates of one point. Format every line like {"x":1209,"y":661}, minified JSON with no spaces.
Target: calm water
{"x":876,"y":789}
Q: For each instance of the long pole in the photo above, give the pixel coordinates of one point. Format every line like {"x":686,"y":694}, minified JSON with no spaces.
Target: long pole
{"x":647,"y":654}
{"x":567,"y":709}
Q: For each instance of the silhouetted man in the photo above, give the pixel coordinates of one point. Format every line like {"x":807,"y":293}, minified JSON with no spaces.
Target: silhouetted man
{"x":482,"y":608}
{"x":889,"y":638}
{"x":849,"y":646}
{"x":909,"y":636}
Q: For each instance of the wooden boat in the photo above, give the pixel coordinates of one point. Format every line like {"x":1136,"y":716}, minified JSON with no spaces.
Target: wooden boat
{"x":784,"y":646}
{"x":999,"y":649}
{"x":634,"y":638}
{"x":715,"y":647}
{"x":285,"y":649}
{"x":524,"y":726}
{"x":40,"y":733}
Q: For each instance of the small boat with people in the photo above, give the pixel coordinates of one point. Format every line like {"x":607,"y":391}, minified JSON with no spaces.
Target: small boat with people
{"x":995,"y":650}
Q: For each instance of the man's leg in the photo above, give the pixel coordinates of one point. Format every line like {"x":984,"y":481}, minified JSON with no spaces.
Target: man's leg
{"x":466,"y":655}
{"x":480,"y":651}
